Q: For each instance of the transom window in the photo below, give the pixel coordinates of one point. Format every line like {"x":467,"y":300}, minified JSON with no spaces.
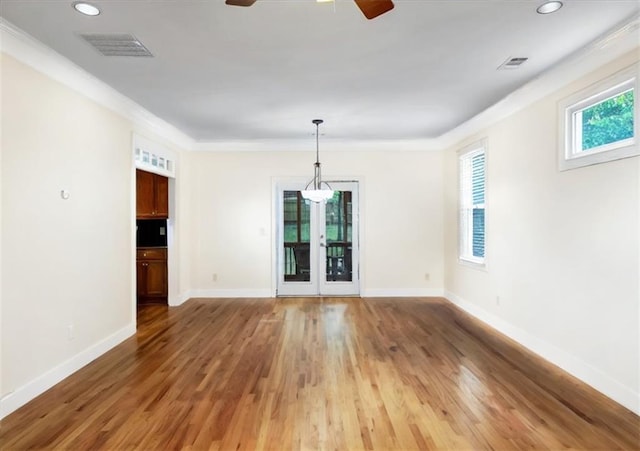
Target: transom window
{"x":599,"y":124}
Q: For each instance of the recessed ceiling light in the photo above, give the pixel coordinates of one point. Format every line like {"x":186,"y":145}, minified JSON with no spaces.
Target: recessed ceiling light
{"x":549,"y":7}
{"x":86,"y":8}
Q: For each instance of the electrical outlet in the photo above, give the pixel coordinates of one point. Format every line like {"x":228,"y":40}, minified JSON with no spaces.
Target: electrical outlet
{"x":214,"y":277}
{"x":498,"y":301}
{"x":70,"y":334}
{"x":427,"y":276}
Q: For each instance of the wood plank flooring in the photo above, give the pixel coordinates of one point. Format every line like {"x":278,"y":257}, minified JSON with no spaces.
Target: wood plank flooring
{"x":318,"y":373}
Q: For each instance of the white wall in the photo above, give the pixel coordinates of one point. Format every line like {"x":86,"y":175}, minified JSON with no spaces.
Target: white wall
{"x":184,"y":244}
{"x":65,"y":263}
{"x":1,"y":240}
{"x":401,"y":218}
{"x":562,"y":249}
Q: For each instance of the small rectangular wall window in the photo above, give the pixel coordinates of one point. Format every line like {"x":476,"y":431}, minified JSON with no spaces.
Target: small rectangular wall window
{"x":153,"y":157}
{"x":599,"y":123}
{"x":471,"y":223}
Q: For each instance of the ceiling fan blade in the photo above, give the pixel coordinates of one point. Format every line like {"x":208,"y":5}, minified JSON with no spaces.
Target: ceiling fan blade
{"x":240,"y":2}
{"x":373,"y":8}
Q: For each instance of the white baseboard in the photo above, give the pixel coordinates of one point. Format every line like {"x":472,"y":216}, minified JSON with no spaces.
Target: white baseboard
{"x":22,"y":395}
{"x":179,"y":299}
{"x":402,"y":292}
{"x":568,"y":362}
{"x":265,"y":293}
{"x":230,"y":293}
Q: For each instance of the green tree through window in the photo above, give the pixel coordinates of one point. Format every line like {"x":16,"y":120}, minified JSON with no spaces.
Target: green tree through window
{"x":608,"y":121}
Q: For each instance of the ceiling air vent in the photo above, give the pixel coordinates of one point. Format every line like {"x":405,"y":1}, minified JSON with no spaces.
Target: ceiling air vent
{"x":119,"y":44}
{"x":512,"y":63}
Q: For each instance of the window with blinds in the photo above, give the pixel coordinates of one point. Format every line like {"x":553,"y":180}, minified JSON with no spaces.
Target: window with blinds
{"x":472,"y":169}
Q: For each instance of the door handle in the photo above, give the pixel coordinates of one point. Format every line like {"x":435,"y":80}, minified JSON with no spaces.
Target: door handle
{"x":323,"y":245}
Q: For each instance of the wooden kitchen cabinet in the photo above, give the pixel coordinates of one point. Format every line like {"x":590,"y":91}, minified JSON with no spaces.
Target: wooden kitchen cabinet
{"x":151,"y":275}
{"x":152,"y":195}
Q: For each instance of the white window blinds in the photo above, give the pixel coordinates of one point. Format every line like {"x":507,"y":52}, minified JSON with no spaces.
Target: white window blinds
{"x":472,"y":169}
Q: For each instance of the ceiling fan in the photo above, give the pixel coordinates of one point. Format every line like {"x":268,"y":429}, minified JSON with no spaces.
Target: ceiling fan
{"x":370,"y":8}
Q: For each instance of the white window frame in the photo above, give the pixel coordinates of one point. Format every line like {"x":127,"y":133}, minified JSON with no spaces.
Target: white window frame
{"x":153,"y":157}
{"x":465,"y":232}
{"x":570,"y":153}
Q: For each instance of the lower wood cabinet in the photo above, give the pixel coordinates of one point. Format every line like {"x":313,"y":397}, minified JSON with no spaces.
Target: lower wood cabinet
{"x":151,"y":275}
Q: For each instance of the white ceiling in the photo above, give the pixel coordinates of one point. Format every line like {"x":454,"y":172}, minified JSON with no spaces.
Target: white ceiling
{"x":222,"y":73}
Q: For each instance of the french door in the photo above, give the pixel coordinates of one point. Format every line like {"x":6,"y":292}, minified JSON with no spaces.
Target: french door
{"x":318,"y":242}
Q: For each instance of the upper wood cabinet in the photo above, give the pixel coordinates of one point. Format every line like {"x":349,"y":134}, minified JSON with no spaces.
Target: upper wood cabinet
{"x":152,"y":195}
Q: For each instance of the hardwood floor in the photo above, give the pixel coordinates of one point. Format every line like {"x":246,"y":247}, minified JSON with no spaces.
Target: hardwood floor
{"x":319,"y":373}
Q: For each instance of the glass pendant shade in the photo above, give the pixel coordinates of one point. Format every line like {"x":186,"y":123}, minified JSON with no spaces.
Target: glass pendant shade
{"x":317,"y":195}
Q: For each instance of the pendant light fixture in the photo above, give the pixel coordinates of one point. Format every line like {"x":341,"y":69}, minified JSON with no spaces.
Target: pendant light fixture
{"x":317,"y":193}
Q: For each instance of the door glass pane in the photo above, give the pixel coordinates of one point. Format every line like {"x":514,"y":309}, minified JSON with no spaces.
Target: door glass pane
{"x":296,"y":227}
{"x":338,"y":232}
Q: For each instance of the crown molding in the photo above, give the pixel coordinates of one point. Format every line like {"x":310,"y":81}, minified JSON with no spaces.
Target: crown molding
{"x":618,"y":41}
{"x":621,"y":39}
{"x":33,"y":53}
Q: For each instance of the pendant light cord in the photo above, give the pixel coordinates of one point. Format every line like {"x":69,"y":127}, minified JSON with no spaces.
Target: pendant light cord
{"x":317,"y":144}
{"x":317,"y":174}
{"x":317,"y":194}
